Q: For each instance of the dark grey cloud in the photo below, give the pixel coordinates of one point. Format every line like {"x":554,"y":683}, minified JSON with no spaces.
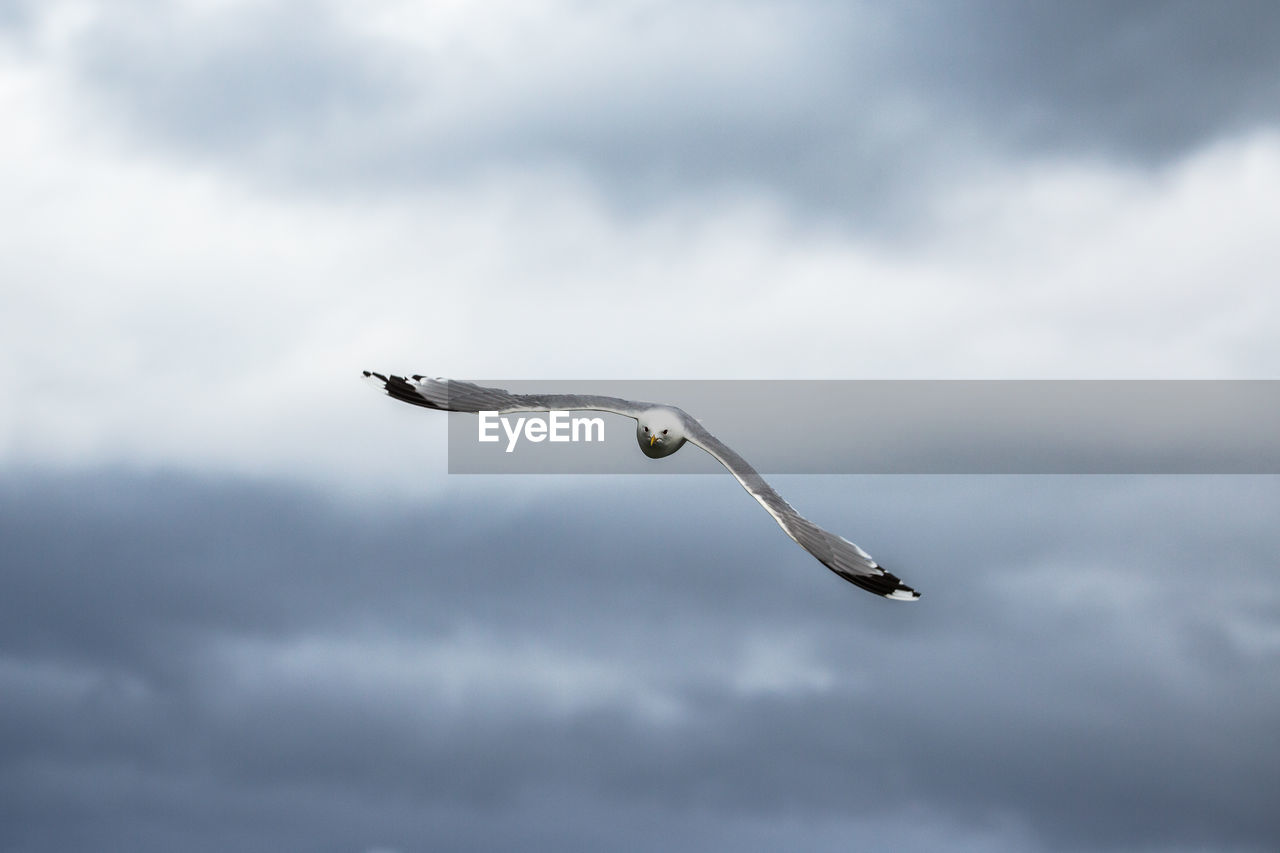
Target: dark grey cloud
{"x":236,"y":83}
{"x":1094,"y":666}
{"x":1140,"y":81}
{"x":861,"y":110}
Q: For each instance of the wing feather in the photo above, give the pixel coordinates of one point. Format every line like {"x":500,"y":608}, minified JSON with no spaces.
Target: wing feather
{"x":451,"y":395}
{"x":835,"y":552}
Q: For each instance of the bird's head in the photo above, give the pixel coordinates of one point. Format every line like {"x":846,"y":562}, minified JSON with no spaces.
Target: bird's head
{"x":659,"y":432}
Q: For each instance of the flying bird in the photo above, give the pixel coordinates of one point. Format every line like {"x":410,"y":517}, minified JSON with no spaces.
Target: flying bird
{"x":660,"y":431}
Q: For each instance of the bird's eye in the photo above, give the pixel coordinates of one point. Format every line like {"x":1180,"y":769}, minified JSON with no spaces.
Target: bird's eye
{"x":664,"y":432}
{"x":646,"y":429}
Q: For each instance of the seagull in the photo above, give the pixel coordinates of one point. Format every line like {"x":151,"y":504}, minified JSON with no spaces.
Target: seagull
{"x":660,"y":432}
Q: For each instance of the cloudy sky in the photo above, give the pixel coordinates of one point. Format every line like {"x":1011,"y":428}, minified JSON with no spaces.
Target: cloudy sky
{"x":244,"y":607}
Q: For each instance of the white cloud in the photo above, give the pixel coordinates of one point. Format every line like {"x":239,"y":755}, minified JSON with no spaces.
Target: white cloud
{"x":160,"y":312}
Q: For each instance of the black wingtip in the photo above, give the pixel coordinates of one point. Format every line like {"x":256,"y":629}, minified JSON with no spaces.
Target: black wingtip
{"x":900,"y":591}
{"x":399,"y":388}
{"x":887,"y":585}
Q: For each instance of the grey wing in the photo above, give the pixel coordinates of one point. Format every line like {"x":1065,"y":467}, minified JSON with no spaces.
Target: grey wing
{"x":451,"y":395}
{"x":835,"y":552}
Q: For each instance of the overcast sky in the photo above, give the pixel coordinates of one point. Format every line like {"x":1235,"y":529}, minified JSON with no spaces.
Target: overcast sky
{"x":243,"y":606}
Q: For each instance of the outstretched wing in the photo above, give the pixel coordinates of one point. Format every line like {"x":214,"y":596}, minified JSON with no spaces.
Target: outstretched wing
{"x":449,"y":395}
{"x":835,"y":552}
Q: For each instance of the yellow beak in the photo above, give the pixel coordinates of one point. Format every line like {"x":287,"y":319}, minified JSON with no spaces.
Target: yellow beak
{"x":652,"y":439}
